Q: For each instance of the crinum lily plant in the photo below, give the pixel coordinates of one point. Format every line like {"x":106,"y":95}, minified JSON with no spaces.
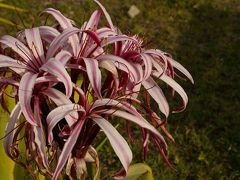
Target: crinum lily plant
{"x":70,"y":83}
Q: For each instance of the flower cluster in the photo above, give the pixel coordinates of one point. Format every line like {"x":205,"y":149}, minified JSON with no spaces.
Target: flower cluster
{"x":69,"y":83}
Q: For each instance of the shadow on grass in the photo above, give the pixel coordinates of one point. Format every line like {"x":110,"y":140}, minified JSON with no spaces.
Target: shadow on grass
{"x":210,"y":43}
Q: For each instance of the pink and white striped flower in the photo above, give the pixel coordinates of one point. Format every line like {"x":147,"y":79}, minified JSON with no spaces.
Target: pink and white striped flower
{"x":71,"y":82}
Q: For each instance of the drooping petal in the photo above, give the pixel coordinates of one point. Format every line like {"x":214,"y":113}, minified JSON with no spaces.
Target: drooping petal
{"x":105,"y":32}
{"x":92,"y":23}
{"x":94,"y":75}
{"x":148,"y":65}
{"x":6,"y":61}
{"x":108,"y":18}
{"x":62,"y":20}
{"x":114,"y":103}
{"x":175,"y":86}
{"x":59,"y":40}
{"x":63,"y":57}
{"x":60,"y":99}
{"x":34,"y":42}
{"x":47,"y":78}
{"x":109,"y":65}
{"x":159,"y":54}
{"x":17,"y":46}
{"x":114,"y":39}
{"x":9,"y":131}
{"x":55,"y":68}
{"x":182,"y":69}
{"x":39,"y":135}
{"x":65,"y":23}
{"x":68,"y":146}
{"x":137,"y":120}
{"x":58,"y":114}
{"x":48,"y":33}
{"x":9,"y":81}
{"x":118,"y":143}
{"x":121,"y":64}
{"x":155,"y":91}
{"x":25,"y":95}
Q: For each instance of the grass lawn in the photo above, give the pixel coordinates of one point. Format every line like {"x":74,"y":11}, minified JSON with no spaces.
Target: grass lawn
{"x":202,"y":35}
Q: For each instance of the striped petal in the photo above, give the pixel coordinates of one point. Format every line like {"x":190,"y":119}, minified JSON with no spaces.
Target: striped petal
{"x":39,"y":135}
{"x":118,"y":143}
{"x":59,"y":40}
{"x":9,"y":131}
{"x":139,"y":120}
{"x":6,"y":61}
{"x":17,"y":46}
{"x":63,"y":57}
{"x":175,"y":86}
{"x":108,"y":18}
{"x":34,"y":42}
{"x":122,"y":64}
{"x":58,"y":114}
{"x":55,"y":68}
{"x":60,"y":99}
{"x":25,"y":95}
{"x":48,"y":33}
{"x":155,"y":91}
{"x":148,"y":65}
{"x":178,"y":66}
{"x":94,"y":75}
{"x":67,"y":149}
{"x":65,"y":23}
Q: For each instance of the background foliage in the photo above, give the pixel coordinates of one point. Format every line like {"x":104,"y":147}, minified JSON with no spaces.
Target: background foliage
{"x":205,"y":37}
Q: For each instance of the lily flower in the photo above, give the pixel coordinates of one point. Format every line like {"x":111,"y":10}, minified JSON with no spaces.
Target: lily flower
{"x":72,"y":82}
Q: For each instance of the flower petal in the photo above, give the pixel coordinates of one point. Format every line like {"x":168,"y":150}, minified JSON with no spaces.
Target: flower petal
{"x":48,"y":33}
{"x":60,"y":99}
{"x":9,"y":131}
{"x":94,"y":75}
{"x":39,"y":135}
{"x":65,"y":23}
{"x":68,"y":146}
{"x":175,"y":86}
{"x":118,"y":143}
{"x":34,"y":42}
{"x":25,"y":95}
{"x":63,"y":57}
{"x":58,"y":114}
{"x":108,"y":18}
{"x":17,"y":46}
{"x":155,"y":91}
{"x":148,"y":65}
{"x":59,"y":40}
{"x":178,"y":66}
{"x":121,"y":64}
{"x":6,"y":61}
{"x":139,"y":120}
{"x":55,"y":68}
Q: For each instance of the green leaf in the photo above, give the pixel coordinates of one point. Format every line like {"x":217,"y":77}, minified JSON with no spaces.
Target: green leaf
{"x":139,"y":171}
{"x":5,"y":21}
{"x":11,"y":7}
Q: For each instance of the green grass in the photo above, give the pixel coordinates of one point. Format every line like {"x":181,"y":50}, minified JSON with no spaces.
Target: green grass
{"x":202,"y":35}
